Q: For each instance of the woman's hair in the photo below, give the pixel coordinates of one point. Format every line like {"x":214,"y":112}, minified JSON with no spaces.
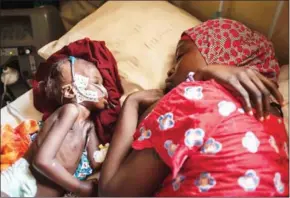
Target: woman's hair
{"x":54,"y":79}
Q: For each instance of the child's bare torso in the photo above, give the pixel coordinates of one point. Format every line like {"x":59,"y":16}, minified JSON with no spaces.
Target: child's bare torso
{"x":68,"y":155}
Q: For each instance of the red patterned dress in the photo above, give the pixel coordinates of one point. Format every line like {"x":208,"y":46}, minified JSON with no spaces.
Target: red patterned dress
{"x":212,"y":147}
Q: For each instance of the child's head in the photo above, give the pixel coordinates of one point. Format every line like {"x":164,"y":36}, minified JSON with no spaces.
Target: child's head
{"x":76,"y":81}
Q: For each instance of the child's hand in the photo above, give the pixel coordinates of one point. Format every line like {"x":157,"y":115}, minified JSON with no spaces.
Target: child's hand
{"x":145,"y":98}
{"x":87,"y":188}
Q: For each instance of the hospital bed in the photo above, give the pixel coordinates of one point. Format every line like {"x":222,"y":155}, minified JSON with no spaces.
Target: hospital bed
{"x":141,"y":35}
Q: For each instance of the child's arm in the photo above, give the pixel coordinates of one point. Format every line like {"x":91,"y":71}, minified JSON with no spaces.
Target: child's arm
{"x":92,"y":146}
{"x":45,"y":161}
{"x":141,"y":173}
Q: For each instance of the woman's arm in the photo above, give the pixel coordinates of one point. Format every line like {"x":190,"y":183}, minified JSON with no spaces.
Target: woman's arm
{"x":148,"y":171}
{"x":45,"y":161}
{"x":254,"y":89}
{"x":141,"y":174}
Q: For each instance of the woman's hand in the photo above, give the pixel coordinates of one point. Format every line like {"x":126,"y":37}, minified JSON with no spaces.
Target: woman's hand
{"x":250,"y":84}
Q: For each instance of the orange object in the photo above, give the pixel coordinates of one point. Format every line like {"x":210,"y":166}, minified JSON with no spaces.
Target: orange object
{"x":15,"y":142}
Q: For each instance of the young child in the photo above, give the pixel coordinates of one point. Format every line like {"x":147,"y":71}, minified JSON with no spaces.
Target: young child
{"x":48,"y":166}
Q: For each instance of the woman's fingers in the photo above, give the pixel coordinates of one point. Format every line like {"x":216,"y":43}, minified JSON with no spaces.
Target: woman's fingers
{"x":272,"y":88}
{"x":234,"y":82}
{"x":265,"y":92}
{"x":256,"y":94}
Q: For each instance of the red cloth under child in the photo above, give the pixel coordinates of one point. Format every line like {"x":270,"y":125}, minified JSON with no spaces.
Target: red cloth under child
{"x":97,"y":53}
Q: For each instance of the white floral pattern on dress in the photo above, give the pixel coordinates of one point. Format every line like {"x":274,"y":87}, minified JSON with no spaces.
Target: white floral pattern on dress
{"x":166,"y":121}
{"x":177,"y":182}
{"x":249,"y":181}
{"x":278,"y":183}
{"x":190,"y":77}
{"x":225,"y":108}
{"x":251,"y":142}
{"x":194,"y":137}
{"x":241,"y":110}
{"x":205,"y":182}
{"x":145,"y":134}
{"x":273,"y":143}
{"x":170,"y":147}
{"x":211,"y":146}
{"x":193,"y":93}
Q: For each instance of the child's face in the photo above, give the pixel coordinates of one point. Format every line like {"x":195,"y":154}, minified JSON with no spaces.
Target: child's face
{"x":89,"y":70}
{"x":188,"y":59}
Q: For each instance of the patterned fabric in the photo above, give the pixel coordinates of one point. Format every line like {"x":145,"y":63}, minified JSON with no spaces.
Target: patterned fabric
{"x":84,"y":169}
{"x":212,"y":147}
{"x":228,"y":42}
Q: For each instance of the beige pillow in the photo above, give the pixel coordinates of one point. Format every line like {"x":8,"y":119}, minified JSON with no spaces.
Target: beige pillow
{"x":142,"y":35}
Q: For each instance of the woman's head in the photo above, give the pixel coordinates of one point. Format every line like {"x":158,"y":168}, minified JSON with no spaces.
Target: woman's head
{"x":187,"y":59}
{"x":61,"y":86}
{"x":224,"y":42}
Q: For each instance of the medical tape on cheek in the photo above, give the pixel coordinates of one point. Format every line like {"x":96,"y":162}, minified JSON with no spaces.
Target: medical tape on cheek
{"x":80,"y":83}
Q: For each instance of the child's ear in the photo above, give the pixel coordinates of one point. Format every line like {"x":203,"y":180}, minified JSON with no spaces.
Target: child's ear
{"x":68,"y":92}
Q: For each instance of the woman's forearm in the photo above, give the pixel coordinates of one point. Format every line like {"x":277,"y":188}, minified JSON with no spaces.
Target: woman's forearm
{"x":121,"y":141}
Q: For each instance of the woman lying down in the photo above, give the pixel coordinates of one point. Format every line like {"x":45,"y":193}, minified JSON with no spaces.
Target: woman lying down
{"x":198,"y":139}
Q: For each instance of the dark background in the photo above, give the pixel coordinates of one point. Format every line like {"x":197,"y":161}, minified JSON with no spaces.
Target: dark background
{"x":13,"y":4}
